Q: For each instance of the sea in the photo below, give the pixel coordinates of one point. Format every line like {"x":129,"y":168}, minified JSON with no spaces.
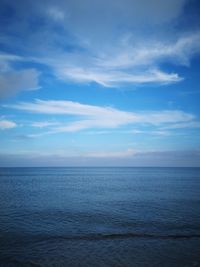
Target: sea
{"x":112,"y":217}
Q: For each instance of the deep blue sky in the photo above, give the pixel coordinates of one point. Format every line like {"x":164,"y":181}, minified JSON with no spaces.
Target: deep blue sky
{"x":89,"y":82}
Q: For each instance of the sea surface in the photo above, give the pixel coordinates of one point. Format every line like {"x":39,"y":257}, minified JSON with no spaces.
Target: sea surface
{"x":114,"y":217}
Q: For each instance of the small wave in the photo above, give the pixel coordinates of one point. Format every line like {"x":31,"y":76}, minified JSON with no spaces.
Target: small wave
{"x":95,"y":237}
{"x":124,"y":236}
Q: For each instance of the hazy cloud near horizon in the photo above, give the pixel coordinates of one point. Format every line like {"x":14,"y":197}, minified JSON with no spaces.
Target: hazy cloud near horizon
{"x":125,"y":158}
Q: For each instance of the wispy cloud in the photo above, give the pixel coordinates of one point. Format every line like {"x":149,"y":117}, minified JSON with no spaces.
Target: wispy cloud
{"x":7,"y":124}
{"x":99,"y":117}
{"x":115,"y":78}
{"x":128,"y":54}
{"x":161,"y":132}
{"x":127,"y":62}
{"x":150,"y":132}
{"x":44,"y":124}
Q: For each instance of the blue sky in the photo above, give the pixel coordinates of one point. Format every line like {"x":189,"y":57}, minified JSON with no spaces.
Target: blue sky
{"x":99,"y":83}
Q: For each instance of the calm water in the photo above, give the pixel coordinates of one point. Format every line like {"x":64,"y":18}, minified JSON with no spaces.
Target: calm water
{"x":99,"y":217}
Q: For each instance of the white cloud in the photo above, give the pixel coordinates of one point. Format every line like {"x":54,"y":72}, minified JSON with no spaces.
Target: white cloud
{"x":129,"y":62}
{"x":112,"y":78}
{"x":6,"y":124}
{"x":44,"y":124}
{"x":101,"y":117}
{"x":149,"y":132}
{"x":12,"y":82}
{"x":129,"y":54}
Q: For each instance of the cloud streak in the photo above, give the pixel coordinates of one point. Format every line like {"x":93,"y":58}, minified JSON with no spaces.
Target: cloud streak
{"x":129,"y":62}
{"x":7,"y":124}
{"x":113,"y":78}
{"x":99,"y":117}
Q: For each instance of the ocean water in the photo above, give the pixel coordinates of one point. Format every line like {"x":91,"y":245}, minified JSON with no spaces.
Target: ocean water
{"x":99,"y":217}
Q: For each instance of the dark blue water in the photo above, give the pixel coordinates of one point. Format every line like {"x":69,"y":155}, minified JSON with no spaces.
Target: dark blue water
{"x":99,"y":217}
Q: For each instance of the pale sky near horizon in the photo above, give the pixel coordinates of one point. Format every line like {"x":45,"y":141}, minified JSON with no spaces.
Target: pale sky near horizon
{"x":99,"y":83}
